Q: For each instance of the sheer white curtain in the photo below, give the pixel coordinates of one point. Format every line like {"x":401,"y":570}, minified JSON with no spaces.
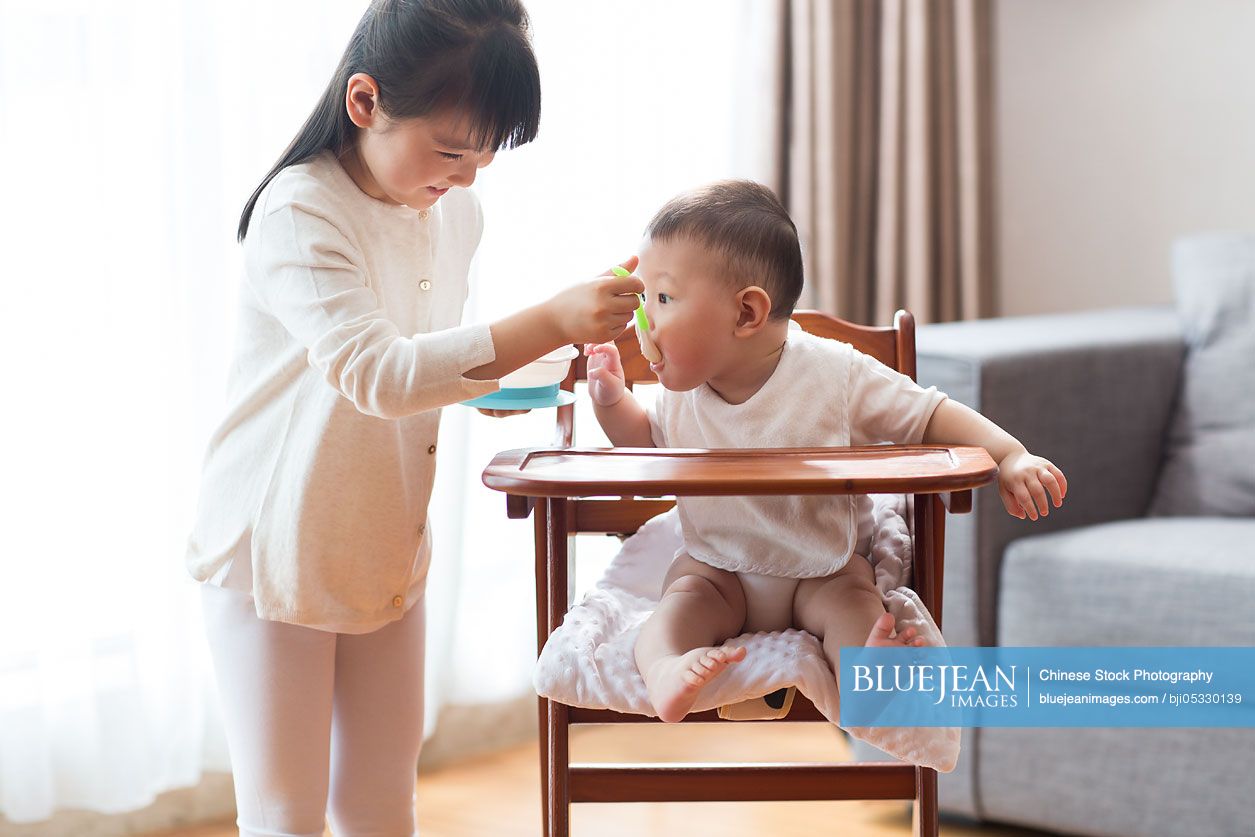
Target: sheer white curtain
{"x":130,"y":133}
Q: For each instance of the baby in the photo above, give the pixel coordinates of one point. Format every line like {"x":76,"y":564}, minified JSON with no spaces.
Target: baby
{"x":722,"y":271}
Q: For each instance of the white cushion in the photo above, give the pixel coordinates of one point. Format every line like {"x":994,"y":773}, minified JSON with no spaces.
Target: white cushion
{"x":1209,"y":467}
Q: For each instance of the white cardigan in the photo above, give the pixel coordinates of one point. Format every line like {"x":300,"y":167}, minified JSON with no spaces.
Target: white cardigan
{"x":348,"y":346}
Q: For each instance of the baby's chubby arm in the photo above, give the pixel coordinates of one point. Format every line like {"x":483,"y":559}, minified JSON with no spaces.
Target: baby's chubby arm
{"x":1026,"y":483}
{"x":618,"y":413}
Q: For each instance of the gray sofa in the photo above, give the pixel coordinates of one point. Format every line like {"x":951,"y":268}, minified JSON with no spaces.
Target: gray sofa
{"x":1096,"y":393}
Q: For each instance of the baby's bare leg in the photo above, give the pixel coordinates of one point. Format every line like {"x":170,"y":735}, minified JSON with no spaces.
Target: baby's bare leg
{"x":677,"y":651}
{"x":846,"y":609}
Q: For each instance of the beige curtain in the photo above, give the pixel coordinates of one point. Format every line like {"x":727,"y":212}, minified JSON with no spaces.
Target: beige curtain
{"x":887,"y":160}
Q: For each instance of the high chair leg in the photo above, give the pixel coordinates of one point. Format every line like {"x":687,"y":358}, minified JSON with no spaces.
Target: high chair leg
{"x":924,"y":818}
{"x":929,"y":542}
{"x":543,"y":728}
{"x":556,"y":730}
{"x":539,"y":521}
{"x":559,"y":813}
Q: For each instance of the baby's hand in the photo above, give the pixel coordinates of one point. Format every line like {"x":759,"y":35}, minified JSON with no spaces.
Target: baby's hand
{"x":605,"y":373}
{"x":1025,"y":480}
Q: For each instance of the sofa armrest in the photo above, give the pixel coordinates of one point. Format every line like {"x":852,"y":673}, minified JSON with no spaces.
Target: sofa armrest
{"x":1091,"y":391}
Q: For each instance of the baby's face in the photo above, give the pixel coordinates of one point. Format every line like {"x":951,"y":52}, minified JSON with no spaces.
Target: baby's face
{"x":692,"y":312}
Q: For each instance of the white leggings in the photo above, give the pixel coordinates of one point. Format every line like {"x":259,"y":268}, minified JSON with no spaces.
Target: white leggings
{"x":318,"y":723}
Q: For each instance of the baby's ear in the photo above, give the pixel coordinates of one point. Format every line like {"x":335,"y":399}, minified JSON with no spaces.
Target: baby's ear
{"x":753,"y":309}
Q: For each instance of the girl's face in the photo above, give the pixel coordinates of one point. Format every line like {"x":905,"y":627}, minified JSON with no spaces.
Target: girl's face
{"x":692,"y":313}
{"x":407,"y":161}
{"x":415,"y":161}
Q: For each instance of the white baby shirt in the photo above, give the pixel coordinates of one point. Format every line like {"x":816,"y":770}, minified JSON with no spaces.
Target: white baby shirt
{"x":319,"y":475}
{"x":822,"y":393}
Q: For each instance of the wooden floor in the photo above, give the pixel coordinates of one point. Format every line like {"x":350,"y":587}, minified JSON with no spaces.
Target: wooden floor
{"x":499,"y":795}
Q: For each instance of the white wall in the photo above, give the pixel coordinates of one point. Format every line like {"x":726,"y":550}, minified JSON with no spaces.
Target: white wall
{"x":1121,"y":124}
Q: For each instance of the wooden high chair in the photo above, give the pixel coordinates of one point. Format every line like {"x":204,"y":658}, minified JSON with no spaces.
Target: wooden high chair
{"x":557,"y":482}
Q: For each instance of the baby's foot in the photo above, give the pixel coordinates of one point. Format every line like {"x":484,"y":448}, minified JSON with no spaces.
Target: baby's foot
{"x":673,"y":683}
{"x":881,"y":630}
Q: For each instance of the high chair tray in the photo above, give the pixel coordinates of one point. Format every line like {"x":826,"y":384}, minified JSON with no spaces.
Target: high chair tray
{"x":875,"y":469}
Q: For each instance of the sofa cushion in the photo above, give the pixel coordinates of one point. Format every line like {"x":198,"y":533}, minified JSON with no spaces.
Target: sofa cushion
{"x":1158,"y":581}
{"x":1154,"y":581}
{"x":1209,"y":467}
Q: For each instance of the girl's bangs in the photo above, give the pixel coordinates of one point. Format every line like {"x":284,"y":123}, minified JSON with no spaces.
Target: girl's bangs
{"x":499,"y":89}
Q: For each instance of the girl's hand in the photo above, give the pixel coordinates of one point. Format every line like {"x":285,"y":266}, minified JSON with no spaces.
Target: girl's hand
{"x":606,"y":381}
{"x":1028,"y":484}
{"x":502,"y":413}
{"x":597,"y":311}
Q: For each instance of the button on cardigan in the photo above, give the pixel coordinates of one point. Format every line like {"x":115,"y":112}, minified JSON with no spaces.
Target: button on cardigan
{"x":348,"y":345}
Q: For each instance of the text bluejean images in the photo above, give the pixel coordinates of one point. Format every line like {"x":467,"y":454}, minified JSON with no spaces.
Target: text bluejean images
{"x":1048,"y":687}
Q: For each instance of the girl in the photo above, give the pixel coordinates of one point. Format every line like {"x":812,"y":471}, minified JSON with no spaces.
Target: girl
{"x":312,"y":535}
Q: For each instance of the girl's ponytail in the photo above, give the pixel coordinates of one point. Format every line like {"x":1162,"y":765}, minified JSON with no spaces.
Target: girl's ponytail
{"x":328,"y":126}
{"x":426,"y":55}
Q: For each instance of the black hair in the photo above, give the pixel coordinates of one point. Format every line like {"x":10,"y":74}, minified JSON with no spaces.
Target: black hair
{"x":747,"y":226}
{"x":473,"y":56}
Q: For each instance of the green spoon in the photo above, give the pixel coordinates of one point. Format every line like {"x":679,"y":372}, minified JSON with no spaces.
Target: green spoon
{"x":648,"y":349}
